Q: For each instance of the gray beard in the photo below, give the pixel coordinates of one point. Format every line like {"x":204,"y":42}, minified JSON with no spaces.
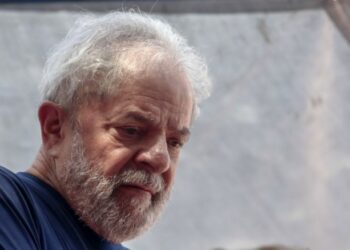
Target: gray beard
{"x":96,"y":200}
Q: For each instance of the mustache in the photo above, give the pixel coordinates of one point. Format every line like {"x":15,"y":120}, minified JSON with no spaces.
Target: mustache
{"x":132,"y":176}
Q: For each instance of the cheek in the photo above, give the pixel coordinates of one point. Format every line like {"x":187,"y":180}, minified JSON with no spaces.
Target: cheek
{"x":105,"y":153}
{"x":112,"y":159}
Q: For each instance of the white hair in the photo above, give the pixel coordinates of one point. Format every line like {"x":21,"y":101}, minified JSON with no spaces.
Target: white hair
{"x":89,"y":56}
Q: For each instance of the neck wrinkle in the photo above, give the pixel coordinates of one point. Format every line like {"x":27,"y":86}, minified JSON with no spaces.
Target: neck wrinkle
{"x":44,"y":167}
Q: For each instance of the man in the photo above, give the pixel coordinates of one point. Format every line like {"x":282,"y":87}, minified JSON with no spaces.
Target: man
{"x":120,"y":93}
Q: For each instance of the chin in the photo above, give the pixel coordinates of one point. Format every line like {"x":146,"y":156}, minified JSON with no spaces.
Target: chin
{"x":112,"y":212}
{"x":124,"y":221}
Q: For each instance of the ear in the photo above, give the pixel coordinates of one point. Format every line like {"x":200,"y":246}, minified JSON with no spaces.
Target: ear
{"x":52,"y":118}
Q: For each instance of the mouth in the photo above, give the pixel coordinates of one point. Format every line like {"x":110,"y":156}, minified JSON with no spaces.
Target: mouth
{"x":137,"y":187}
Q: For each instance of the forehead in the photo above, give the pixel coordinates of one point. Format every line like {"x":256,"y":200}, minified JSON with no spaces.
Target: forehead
{"x":165,"y":90}
{"x":162,"y":94}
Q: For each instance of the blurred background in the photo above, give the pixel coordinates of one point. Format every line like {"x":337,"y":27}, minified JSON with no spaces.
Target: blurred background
{"x":268,"y":161}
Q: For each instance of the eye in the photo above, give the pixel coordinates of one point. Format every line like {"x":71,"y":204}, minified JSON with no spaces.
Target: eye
{"x":130,"y":132}
{"x":175,"y":143}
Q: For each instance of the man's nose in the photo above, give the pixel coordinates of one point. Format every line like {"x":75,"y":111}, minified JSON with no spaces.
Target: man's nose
{"x":155,"y":155}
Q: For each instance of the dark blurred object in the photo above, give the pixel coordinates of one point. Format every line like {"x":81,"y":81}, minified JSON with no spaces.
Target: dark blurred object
{"x":269,"y":247}
{"x":279,"y":247}
{"x":339,"y":11}
{"x":166,"y":6}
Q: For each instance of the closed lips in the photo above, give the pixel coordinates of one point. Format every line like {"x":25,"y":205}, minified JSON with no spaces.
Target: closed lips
{"x":142,"y":187}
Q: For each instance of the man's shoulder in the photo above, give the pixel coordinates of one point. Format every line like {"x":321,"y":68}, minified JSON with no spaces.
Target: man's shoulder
{"x":6,"y":173}
{"x":33,"y":216}
{"x":17,"y":224}
{"x":11,"y":186}
{"x":7,"y":176}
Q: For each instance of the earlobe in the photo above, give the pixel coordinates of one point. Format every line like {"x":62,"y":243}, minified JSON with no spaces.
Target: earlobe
{"x":51,"y":117}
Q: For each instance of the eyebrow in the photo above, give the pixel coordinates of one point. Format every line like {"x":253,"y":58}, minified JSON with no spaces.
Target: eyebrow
{"x":137,"y":116}
{"x":147,"y":118}
{"x":184,"y":131}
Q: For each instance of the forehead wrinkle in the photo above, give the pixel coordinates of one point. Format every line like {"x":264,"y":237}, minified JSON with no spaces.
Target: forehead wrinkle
{"x":165,"y":97}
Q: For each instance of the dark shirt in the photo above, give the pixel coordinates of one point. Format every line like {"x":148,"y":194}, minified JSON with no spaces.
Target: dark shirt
{"x":35,"y":216}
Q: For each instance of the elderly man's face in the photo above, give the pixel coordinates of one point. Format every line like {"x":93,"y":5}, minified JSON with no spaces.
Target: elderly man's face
{"x":124,"y":152}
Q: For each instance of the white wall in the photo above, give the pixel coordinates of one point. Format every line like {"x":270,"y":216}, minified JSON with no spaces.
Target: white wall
{"x":269,"y":158}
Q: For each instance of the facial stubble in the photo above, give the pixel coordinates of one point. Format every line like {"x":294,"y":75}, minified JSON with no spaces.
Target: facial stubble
{"x":98,"y":201}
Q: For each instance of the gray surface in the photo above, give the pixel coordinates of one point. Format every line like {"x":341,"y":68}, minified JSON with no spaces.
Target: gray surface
{"x":173,"y":6}
{"x":268,"y":161}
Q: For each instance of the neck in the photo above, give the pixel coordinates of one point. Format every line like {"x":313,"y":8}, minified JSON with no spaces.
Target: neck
{"x":43,"y":167}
